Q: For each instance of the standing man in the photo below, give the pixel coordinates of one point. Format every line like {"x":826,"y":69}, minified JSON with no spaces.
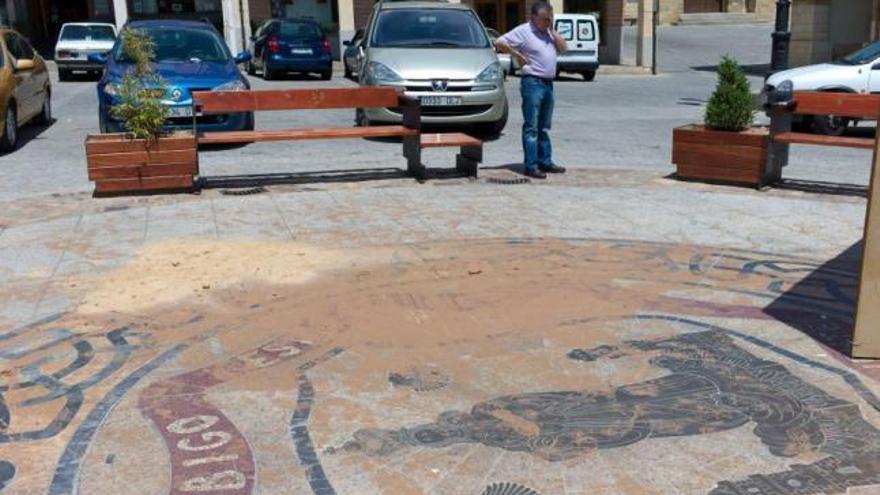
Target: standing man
{"x":535,"y":46}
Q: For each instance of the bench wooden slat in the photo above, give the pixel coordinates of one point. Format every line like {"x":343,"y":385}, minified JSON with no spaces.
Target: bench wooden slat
{"x":858,"y":106}
{"x":821,"y":140}
{"x":299,"y":134}
{"x":450,"y":139}
{"x":213,"y":102}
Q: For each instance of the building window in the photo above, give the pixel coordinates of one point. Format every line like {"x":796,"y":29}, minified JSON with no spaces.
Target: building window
{"x":153,"y":7}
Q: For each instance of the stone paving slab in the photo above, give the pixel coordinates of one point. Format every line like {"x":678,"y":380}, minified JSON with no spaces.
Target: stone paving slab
{"x":603,"y":332}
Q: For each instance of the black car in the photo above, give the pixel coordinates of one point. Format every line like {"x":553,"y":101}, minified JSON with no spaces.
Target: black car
{"x":291,"y":45}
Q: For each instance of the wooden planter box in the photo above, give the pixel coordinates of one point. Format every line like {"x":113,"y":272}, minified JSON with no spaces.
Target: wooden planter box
{"x":719,"y":156}
{"x":119,"y":164}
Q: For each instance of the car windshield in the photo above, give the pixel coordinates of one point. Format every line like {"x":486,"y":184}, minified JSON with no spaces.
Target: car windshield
{"x":429,"y":28}
{"x":865,"y":55}
{"x":300,"y":31}
{"x":175,"y":45}
{"x":90,"y":33}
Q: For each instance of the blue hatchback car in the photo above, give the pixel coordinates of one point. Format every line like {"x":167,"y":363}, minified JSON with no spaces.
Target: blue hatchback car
{"x":291,"y":45}
{"x":190,"y":56}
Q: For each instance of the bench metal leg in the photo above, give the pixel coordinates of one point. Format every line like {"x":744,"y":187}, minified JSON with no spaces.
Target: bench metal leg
{"x":468,"y":162}
{"x":777,"y":154}
{"x":412,"y":150}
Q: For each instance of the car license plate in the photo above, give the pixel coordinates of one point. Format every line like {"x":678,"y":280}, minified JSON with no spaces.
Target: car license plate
{"x":440,"y":101}
{"x":301,"y":51}
{"x":177,"y":112}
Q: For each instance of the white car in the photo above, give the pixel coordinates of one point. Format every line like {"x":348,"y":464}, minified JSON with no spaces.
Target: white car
{"x":77,"y":41}
{"x":581,"y":34}
{"x":858,"y":72}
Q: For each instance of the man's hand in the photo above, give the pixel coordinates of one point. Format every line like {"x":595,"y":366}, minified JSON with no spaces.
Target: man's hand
{"x":521,"y":59}
{"x":558,"y":40}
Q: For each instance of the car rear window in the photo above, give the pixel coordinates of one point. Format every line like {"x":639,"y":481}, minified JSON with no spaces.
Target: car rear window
{"x":586,"y":30}
{"x":174,"y":45}
{"x":565,"y":28}
{"x":89,"y":33}
{"x":429,"y":28}
{"x":300,"y":31}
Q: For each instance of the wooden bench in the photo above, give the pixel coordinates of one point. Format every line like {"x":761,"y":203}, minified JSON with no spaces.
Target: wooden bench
{"x":850,"y":105}
{"x":222,"y":102}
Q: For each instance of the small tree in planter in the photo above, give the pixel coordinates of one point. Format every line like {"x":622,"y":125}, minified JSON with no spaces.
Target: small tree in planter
{"x":145,"y":158}
{"x":726,"y":148}
{"x":140,"y":105}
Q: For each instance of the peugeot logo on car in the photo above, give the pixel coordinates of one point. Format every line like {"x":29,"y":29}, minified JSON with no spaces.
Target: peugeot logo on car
{"x":439,"y":85}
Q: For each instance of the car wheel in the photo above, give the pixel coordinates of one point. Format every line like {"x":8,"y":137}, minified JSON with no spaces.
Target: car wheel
{"x":251,"y":69}
{"x":327,"y":75}
{"x":830,"y":125}
{"x":63,"y":75}
{"x":10,"y":130}
{"x":268,"y":74}
{"x":589,"y":75}
{"x":45,"y":116}
{"x":348,"y":73}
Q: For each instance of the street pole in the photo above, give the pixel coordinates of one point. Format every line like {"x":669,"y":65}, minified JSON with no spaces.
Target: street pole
{"x":781,"y":37}
{"x":655,"y":20}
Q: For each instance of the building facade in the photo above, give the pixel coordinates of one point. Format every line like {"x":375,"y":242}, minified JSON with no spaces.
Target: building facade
{"x":822,"y":30}
{"x":40,"y":20}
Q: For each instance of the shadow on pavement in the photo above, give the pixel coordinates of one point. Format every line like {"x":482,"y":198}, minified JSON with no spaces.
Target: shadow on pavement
{"x":752,"y":70}
{"x":27,"y":134}
{"x":294,"y":178}
{"x":819,"y":187}
{"x":822,"y":305}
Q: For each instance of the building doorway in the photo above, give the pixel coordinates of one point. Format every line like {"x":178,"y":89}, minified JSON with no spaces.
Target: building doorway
{"x":703,"y":6}
{"x":210,"y":10}
{"x":500,"y":15}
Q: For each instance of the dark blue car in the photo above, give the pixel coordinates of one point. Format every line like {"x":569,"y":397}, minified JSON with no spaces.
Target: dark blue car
{"x":190,"y":56}
{"x":291,"y":45}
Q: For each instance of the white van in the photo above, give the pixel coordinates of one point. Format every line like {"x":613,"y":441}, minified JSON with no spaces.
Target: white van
{"x":581,"y":31}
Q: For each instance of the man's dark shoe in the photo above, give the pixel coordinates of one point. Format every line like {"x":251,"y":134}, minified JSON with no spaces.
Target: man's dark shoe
{"x":535,"y":173}
{"x":553,"y":169}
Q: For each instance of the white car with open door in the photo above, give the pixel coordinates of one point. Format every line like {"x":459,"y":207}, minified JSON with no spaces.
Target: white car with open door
{"x":858,"y":72}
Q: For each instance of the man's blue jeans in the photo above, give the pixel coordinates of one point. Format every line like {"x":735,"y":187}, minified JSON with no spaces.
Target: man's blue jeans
{"x":537,"y":108}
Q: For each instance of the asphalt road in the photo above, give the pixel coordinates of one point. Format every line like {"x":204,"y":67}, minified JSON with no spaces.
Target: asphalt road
{"x":616,"y":122}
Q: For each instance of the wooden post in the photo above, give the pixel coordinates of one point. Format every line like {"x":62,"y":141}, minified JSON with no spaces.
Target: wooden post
{"x":866,"y":338}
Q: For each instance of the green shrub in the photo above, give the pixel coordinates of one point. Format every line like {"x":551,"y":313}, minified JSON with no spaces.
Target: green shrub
{"x":141,"y":90}
{"x":730,"y":107}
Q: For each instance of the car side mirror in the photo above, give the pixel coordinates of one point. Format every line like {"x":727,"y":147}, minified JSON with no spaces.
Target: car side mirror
{"x":98,"y":58}
{"x":24,"y":65}
{"x":242,"y":57}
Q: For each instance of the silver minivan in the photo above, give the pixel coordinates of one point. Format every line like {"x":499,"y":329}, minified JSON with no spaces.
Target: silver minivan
{"x":439,"y":53}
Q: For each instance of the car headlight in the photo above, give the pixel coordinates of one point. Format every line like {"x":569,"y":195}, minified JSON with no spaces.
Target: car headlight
{"x":111,"y":89}
{"x":489,"y":78}
{"x":232,"y":86}
{"x":490,"y":74}
{"x":376,"y":73}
